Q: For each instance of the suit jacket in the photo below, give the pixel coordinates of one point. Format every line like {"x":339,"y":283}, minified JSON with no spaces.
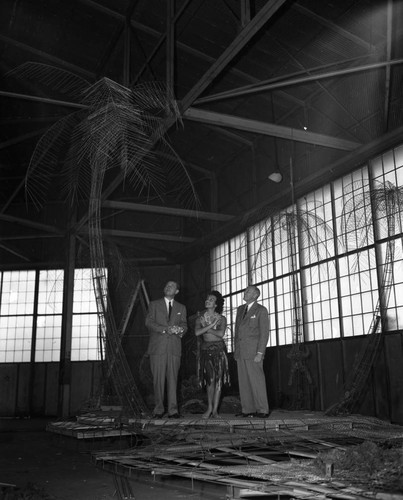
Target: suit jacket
{"x":157,"y":321}
{"x":251,"y":332}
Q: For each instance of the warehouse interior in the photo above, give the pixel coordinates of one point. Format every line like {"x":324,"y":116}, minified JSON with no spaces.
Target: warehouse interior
{"x":138,"y":138}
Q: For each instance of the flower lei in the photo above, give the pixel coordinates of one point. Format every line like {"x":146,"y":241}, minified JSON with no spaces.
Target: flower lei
{"x":207,"y":319}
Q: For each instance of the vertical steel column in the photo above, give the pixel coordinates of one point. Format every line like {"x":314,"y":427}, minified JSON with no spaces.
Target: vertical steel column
{"x":170,"y":68}
{"x":67,"y":323}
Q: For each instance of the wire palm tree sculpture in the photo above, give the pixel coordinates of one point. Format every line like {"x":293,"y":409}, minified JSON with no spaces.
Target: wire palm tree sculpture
{"x":114,"y":127}
{"x":381,"y":206}
{"x":292,"y":232}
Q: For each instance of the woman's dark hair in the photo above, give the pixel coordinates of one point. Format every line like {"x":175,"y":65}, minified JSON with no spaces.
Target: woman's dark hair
{"x":219,"y":303}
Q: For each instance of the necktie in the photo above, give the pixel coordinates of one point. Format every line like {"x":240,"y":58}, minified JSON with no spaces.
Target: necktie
{"x":245,"y":311}
{"x":169,"y":309}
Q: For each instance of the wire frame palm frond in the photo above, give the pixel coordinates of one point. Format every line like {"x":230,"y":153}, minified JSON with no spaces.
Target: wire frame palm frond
{"x":291,"y":231}
{"x":124,"y":126}
{"x":46,"y":162}
{"x":52,"y":78}
{"x":381,"y":204}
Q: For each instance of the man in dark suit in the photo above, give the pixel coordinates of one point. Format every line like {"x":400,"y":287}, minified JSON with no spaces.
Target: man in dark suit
{"x":166,"y":321}
{"x":251,"y":335}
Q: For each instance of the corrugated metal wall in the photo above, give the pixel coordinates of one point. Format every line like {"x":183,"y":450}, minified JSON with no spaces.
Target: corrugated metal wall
{"x":28,"y":391}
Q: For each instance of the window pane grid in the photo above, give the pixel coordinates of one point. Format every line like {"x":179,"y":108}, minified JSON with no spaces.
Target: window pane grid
{"x":18,"y":293}
{"x":31,"y":316}
{"x":15,"y":338}
{"x":340,"y":280}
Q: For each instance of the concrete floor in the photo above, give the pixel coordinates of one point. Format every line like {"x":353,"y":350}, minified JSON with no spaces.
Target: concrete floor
{"x":31,"y":458}
{"x":62,"y":467}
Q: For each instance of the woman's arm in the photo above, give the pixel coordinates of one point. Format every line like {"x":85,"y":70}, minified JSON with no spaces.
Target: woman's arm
{"x":221,"y":327}
{"x":219,"y":332}
{"x":199,"y":329}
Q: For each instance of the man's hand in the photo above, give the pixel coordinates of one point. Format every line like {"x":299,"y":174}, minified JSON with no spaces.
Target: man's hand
{"x":176,"y":330}
{"x":258,"y":357}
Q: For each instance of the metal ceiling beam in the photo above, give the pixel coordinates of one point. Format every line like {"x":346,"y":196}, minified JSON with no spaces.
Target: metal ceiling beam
{"x":232,"y":136}
{"x":219,"y":65}
{"x":334,"y":27}
{"x":170,"y":48}
{"x":181,"y":212}
{"x":275,"y":85}
{"x":270,"y":129}
{"x":389,"y":13}
{"x":20,"y":185}
{"x":29,"y":223}
{"x":139,"y":235}
{"x":14,"y":252}
{"x":161,"y":37}
{"x":269,"y":9}
{"x":118,"y":33}
{"x":28,"y":237}
{"x":250,"y":30}
{"x":43,"y":100}
{"x":161,"y":40}
{"x":245,"y":12}
{"x":21,"y":138}
{"x":305,"y":185}
{"x":48,"y":57}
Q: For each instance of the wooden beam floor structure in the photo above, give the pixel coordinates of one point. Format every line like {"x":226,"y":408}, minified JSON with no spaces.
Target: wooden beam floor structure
{"x":277,"y":456}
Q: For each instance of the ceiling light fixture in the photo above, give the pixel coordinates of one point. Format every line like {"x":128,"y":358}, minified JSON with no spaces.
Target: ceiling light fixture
{"x":276,"y":177}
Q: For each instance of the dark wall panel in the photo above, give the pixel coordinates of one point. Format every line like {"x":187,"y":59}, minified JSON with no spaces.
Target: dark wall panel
{"x":394,"y":355}
{"x":380,"y":382}
{"x":85,"y":385}
{"x":330,"y":357}
{"x":8,"y":389}
{"x":39,"y":389}
{"x":22,"y":397}
{"x":51,"y":390}
{"x":270,"y":368}
{"x":331,"y":365}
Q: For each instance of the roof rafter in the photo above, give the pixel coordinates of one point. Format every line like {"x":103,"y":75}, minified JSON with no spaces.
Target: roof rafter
{"x":216,"y":68}
{"x":290,"y":81}
{"x":270,"y":129}
{"x":141,"y":235}
{"x":250,"y":30}
{"x":334,"y":27}
{"x":181,"y":212}
{"x":47,"y":56}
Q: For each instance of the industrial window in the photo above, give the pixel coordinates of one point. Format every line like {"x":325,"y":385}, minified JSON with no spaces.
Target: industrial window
{"x":325,"y":265}
{"x":16,"y":315}
{"x":31,"y":305}
{"x":49,"y":319}
{"x":85,"y":339}
{"x":229,"y":276}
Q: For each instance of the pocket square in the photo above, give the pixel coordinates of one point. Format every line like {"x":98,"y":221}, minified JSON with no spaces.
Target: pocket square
{"x":252,"y":317}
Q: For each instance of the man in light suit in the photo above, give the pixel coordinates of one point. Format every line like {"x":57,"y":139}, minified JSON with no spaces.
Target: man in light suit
{"x":166,"y":322}
{"x":251,"y":335}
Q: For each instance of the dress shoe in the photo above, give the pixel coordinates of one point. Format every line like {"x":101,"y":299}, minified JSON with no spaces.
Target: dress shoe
{"x":157,"y":415}
{"x":262,"y":415}
{"x":174,"y":415}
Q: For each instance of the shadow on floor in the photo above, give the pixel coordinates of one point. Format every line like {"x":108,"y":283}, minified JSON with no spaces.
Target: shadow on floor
{"x":40,"y":466}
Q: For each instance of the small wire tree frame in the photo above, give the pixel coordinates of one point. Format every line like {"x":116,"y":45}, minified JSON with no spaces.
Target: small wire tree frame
{"x":114,"y":127}
{"x":380,"y":206}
